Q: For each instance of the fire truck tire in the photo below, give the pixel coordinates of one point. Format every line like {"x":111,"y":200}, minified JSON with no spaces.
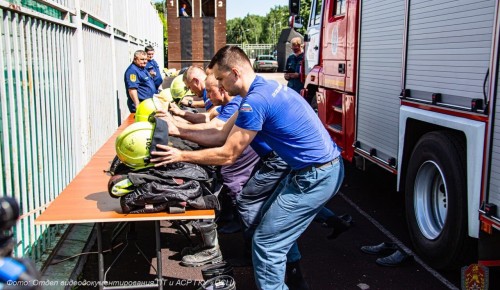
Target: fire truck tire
{"x":436,"y":199}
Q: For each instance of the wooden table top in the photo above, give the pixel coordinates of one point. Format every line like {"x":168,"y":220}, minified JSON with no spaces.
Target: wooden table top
{"x":86,"y":198}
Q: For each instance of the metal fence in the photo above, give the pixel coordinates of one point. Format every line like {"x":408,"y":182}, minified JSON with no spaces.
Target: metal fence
{"x":62,"y":94}
{"x":253,"y":50}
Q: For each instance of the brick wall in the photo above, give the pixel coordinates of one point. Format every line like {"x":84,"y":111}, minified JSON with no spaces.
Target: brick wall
{"x":174,"y":33}
{"x":220,"y":26}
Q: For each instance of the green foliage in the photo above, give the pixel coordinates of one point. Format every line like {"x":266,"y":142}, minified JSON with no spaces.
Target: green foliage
{"x":264,"y":29}
{"x":160,"y":8}
{"x":258,"y":29}
{"x":305,"y":10}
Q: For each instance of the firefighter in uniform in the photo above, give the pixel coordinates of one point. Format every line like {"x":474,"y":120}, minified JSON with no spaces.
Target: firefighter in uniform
{"x":139,"y":84}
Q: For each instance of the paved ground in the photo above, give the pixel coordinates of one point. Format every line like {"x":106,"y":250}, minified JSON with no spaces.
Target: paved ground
{"x":369,"y":197}
{"x":328,"y":264}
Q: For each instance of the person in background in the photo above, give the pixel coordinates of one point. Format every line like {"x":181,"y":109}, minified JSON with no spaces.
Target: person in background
{"x":152,"y":66}
{"x":182,"y":11}
{"x":139,"y":84}
{"x":292,"y":66}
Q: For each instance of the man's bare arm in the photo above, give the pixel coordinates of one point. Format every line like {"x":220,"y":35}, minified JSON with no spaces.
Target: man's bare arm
{"x":227,"y":154}
{"x":134,"y":96}
{"x":195,"y":118}
{"x":196,"y":102}
{"x":211,"y":134}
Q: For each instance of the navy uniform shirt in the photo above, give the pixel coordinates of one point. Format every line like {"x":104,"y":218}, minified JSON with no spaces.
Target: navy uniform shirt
{"x":138,"y":78}
{"x":293,"y":65}
{"x":153,"y":65}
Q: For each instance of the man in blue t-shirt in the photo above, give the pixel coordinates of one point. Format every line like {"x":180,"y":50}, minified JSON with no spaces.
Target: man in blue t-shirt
{"x":152,"y":66}
{"x":194,"y":79}
{"x":234,"y":175}
{"x":284,"y":120}
{"x":138,"y":82}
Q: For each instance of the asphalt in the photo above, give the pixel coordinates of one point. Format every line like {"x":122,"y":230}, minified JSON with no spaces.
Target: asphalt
{"x":327,"y":264}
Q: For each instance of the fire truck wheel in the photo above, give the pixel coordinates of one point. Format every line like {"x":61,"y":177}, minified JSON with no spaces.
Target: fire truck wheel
{"x":436,"y":199}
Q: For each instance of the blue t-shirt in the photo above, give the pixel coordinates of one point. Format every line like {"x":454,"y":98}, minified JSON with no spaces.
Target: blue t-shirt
{"x":138,"y":78}
{"x":260,"y":146}
{"x":153,"y":65}
{"x":206,"y":100}
{"x":287,"y":123}
{"x":182,"y":12}
{"x":227,"y":110}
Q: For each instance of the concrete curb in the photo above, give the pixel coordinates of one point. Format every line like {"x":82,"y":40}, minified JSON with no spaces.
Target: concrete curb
{"x":78,"y":239}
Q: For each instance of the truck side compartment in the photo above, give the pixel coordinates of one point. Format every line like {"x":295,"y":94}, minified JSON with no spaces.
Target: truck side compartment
{"x":402,"y":84}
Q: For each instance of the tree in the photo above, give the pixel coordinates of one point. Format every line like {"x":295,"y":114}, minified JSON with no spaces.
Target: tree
{"x":161,"y":12}
{"x":305,"y":10}
{"x":264,"y":29}
{"x":258,"y":29}
{"x":276,"y":20}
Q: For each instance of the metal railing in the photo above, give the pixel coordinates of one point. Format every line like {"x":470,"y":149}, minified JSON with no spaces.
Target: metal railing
{"x":62,"y":93}
{"x":253,"y":50}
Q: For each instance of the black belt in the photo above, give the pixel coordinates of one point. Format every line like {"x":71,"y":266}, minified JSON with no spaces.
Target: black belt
{"x":319,"y":166}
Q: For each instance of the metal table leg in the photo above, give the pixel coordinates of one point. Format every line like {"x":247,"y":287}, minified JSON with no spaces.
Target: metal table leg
{"x":158,"y":255}
{"x":101,"y":261}
{"x":100,"y":256}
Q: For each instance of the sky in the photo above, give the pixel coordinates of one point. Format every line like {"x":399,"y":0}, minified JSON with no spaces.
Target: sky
{"x":240,"y":8}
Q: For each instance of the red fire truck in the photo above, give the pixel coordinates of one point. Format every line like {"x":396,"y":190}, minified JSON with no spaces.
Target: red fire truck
{"x":412,"y":86}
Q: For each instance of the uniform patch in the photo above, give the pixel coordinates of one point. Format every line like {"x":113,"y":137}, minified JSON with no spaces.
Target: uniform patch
{"x":246,"y":108}
{"x":133,"y":78}
{"x":475,"y":277}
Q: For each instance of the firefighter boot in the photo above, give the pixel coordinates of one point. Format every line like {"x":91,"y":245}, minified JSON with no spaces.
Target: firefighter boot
{"x":294,"y":279}
{"x":195,"y":229}
{"x":208,"y":252}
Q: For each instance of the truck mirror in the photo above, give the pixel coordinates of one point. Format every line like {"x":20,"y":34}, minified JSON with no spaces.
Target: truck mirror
{"x":294,"y":7}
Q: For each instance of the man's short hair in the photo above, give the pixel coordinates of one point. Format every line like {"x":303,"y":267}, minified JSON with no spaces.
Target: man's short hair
{"x":138,"y":53}
{"x":211,"y":81}
{"x":229,"y":56}
{"x":193,"y":71}
{"x":296,"y":40}
{"x":149,"y":48}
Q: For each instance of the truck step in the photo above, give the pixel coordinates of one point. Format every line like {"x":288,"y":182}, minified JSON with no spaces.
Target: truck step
{"x":337,"y":128}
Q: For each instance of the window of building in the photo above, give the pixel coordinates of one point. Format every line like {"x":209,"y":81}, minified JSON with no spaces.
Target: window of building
{"x":185,"y":8}
{"x":208,"y":8}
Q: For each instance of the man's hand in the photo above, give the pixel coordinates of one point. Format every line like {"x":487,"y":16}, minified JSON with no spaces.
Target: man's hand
{"x":289,"y":76}
{"x":185,"y":101}
{"x":172,"y":127}
{"x":166,"y":155}
{"x":174,"y":109}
